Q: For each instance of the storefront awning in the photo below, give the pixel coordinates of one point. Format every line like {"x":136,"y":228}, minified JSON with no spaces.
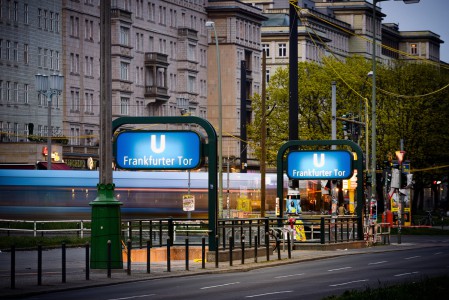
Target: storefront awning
{"x":54,"y":166}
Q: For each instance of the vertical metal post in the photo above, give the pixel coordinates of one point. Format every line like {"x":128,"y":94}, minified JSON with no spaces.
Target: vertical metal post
{"x":289,"y":251}
{"x":231,"y":247}
{"x":322,"y":232}
{"x":255,"y":248}
{"x":168,"y":255}
{"x":243,"y":249}
{"x":109,"y":262}
{"x":128,"y":267}
{"x":87,"y":261}
{"x":39,"y":265}
{"x":267,"y":246}
{"x":263,"y":129}
{"x":63,"y":262}
{"x":140,"y":234}
{"x":13,"y":266}
{"x":187,"y":254}
{"x":334,"y":113}
{"x":203,"y":253}
{"x":216,"y":251}
{"x":149,"y":255}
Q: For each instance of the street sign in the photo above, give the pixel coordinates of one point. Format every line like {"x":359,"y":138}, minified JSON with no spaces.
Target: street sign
{"x":332,"y":164}
{"x":188,"y":202}
{"x":158,"y":150}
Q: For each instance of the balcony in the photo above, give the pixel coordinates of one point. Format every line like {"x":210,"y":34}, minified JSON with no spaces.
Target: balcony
{"x":188,"y":33}
{"x":156,"y":59}
{"x":121,"y":14}
{"x":156,"y":94}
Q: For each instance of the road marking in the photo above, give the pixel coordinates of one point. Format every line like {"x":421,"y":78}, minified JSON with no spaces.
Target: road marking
{"x":220,"y":285}
{"x":349,"y":282}
{"x":403,"y":274}
{"x":266,"y":294}
{"x":344,"y":268}
{"x":412,"y":257}
{"x":133,"y":297}
{"x":378,"y":262}
{"x":277,"y":277}
{"x":438,"y":253}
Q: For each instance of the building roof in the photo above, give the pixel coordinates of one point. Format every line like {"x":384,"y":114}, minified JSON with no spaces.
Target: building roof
{"x":276,"y":20}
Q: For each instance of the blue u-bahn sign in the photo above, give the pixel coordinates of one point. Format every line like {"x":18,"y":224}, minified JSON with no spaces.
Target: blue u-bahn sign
{"x":331,"y":164}
{"x":158,"y":150}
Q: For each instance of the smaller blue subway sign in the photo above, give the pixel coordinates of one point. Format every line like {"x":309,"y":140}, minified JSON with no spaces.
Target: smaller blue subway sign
{"x":332,"y":164}
{"x":158,"y":150}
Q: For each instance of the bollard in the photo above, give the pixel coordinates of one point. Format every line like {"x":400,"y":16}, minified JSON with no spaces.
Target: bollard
{"x":224,"y":238}
{"x":148,"y":255}
{"x":168,"y":255}
{"x":243,"y":249}
{"x":278,"y":247}
{"x":129,"y":246}
{"x":289,"y":251}
{"x":63,"y":257}
{"x":216,"y":251}
{"x":267,"y":246}
{"x":322,"y":237}
{"x":171,"y":229}
{"x":255,"y":248}
{"x":231,"y":247}
{"x":187,"y":254}
{"x":109,"y":263}
{"x":39,"y":265}
{"x":203,"y":253}
{"x":87,"y":261}
{"x":13,"y":266}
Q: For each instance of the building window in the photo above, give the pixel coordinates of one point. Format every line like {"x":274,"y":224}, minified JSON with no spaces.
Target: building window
{"x":75,"y":101}
{"x":26,"y":93}
{"x":266,"y":48}
{"x":57,"y":22}
{"x":282,"y":50}
{"x":191,"y":54}
{"x":89,"y":105}
{"x":267,"y":76}
{"x":39,"y":57}
{"x":151,"y":11}
{"x":74,"y":26}
{"x":26,"y":19}
{"x":8,"y":91}
{"x":39,"y":18}
{"x":124,"y":36}
{"x":15,"y":52}
{"x":124,"y":71}
{"x":74,"y":136}
{"x":124,"y":106}
{"x":57,"y":61}
{"x":16,"y":92}
{"x":191,"y":84}
{"x":16,"y":11}
{"x":414,"y":49}
{"x":26,"y":54}
{"x":8,"y":50}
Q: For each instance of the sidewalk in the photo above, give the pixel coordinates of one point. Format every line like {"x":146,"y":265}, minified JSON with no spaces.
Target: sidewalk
{"x":26,"y":283}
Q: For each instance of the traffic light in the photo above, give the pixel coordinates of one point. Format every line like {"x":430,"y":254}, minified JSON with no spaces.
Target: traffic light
{"x":345,"y":124}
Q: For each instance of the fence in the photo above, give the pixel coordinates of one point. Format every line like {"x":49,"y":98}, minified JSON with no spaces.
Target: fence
{"x":40,"y":228}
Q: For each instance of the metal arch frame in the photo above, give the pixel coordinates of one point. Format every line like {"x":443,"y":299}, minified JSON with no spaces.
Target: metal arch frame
{"x":358,"y":165}
{"x":209,"y":149}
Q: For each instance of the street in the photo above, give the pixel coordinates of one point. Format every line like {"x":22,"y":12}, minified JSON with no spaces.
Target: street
{"x":307,"y":280}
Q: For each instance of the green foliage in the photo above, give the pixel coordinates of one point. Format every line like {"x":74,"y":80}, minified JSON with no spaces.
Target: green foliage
{"x":27,"y":242}
{"x":426,"y":288}
{"x":420,"y":121}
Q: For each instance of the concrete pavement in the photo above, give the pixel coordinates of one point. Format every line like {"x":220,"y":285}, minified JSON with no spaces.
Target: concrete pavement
{"x":26,"y":277}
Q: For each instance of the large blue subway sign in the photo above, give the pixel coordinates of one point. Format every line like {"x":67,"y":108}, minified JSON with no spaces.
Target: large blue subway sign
{"x":332,"y":164}
{"x":158,"y":150}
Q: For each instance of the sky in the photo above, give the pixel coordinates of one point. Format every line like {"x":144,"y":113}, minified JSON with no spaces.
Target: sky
{"x":426,"y":15}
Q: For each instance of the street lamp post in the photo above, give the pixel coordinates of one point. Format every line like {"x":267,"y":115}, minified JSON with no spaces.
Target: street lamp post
{"x":373,"y":100}
{"x":211,"y":25}
{"x":49,"y":86}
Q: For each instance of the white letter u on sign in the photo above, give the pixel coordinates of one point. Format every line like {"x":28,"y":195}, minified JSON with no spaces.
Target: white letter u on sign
{"x":315,"y":160}
{"x":154,"y":147}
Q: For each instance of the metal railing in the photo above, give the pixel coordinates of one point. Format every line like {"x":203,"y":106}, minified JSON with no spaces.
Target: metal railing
{"x":40,"y":228}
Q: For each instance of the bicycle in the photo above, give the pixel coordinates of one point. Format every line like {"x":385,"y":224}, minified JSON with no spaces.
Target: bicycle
{"x":427,"y":219}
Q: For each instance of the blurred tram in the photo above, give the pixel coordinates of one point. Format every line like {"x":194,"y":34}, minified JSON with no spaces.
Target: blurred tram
{"x":65,"y":195}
